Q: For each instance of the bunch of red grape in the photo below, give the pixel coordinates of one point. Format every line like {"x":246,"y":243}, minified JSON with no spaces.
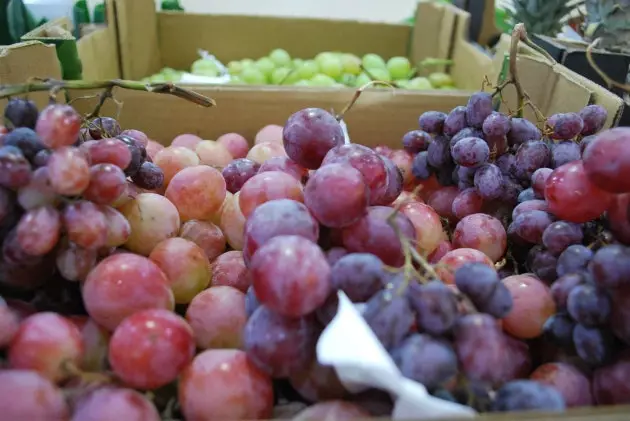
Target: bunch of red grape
{"x":488,"y":255}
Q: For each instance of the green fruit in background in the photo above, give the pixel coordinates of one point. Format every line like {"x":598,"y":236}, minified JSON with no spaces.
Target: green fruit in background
{"x":362,"y":80}
{"x":297,"y":62}
{"x":235,"y":80}
{"x":204,"y":67}
{"x":373,"y":61}
{"x":402,"y":83}
{"x":253,"y":76}
{"x":351,"y":64}
{"x":246,"y":62}
{"x":280,"y":58}
{"x":381,"y":74}
{"x":235,"y":67}
{"x":322,"y":80}
{"x":419,"y":83}
{"x":348,"y":79}
{"x":321,"y":57}
{"x":308,"y":69}
{"x":265,"y":65}
{"x":439,"y":79}
{"x":281,"y":76}
{"x":302,"y":83}
{"x":331,"y":66}
{"x":399,"y":67}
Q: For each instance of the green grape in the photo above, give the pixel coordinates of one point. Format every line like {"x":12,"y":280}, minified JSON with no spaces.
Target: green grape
{"x":253,"y":76}
{"x":265,"y":65}
{"x":402,"y":83}
{"x":331,"y":67}
{"x":279,"y":75}
{"x":420,"y":83}
{"x":235,"y":67}
{"x":351,"y":64}
{"x":348,"y":79}
{"x":373,"y":61}
{"x":302,"y":83}
{"x":204,"y":67}
{"x":280,"y":58}
{"x":235,"y":80}
{"x":381,"y":74}
{"x":308,"y":69}
{"x":297,"y":62}
{"x":399,"y":67}
{"x":439,"y":79}
{"x":321,"y":57}
{"x":321,"y":79}
{"x":158,"y":79}
{"x":247,"y":62}
{"x":362,"y":80}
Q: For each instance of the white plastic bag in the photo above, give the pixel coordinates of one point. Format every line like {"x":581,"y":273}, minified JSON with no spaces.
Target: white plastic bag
{"x":224,"y":75}
{"x":349,"y":345}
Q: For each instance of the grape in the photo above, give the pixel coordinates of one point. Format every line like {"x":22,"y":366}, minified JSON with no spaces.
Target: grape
{"x":453,"y":260}
{"x":41,"y":158}
{"x":187,"y":140}
{"x":123,"y":284}
{"x":574,"y":259}
{"x":455,"y":121}
{"x":26,"y":140}
{"x":522,"y":130}
{"x":359,"y":275}
{"x":251,"y":302}
{"x":511,"y":192}
{"x":268,"y":186}
{"x":21,"y":113}
{"x":529,"y":205}
{"x":438,"y":152}
{"x":420,"y":167}
{"x":236,"y":144}
{"x":564,"y":152}
{"x":426,"y":223}
{"x":543,"y":263}
{"x":74,"y":263}
{"x":85,"y":224}
{"x":108,"y":151}
{"x":435,"y":306}
{"x":588,"y":305}
{"x":506,"y":163}
{"x":394,"y":186}
{"x":274,"y":218}
{"x":539,"y":178}
{"x":610,"y":266}
{"x":318,"y":383}
{"x":532,"y":306}
{"x":618,"y":220}
{"x":620,"y":316}
{"x":216,"y":155}
{"x":269,"y":133}
{"x":559,"y":330}
{"x":390,"y":317}
{"x":58,"y":125}
{"x":229,"y":270}
{"x":138,"y":155}
{"x":416,"y":141}
{"x":605,"y":160}
{"x":527,"y":195}
{"x":205,"y":235}
{"x":118,"y":228}
{"x":479,"y":107}
{"x":26,"y":395}
{"x":530,"y":225}
{"x":107,"y":183}
{"x":530,"y":156}
{"x":46,"y":342}
{"x":332,"y":410}
{"x":103,"y":127}
{"x":482,"y":286}
{"x":38,"y":192}
{"x":15,"y":170}
{"x":9,"y":324}
{"x":441,"y":200}
{"x":284,"y":164}
{"x":404,"y":161}
{"x":562,"y":287}
{"x":197,"y":192}
{"x":264,"y":151}
{"x":496,"y":124}
{"x":149,"y":176}
{"x":174,"y":159}
{"x":443,"y":247}
{"x":489,"y":182}
{"x":610,"y":384}
{"x":430,"y":362}
{"x":232,"y":222}
{"x":470,"y":152}
{"x":561,"y":234}
{"x":528,"y":395}
{"x":280,"y":345}
{"x":111,"y":403}
{"x":139,"y":137}
{"x":565,"y":126}
{"x":162,"y":344}
{"x":432,"y":122}
{"x":481,"y":232}
{"x":39,"y":230}
{"x":594,"y":118}
{"x":373,"y":234}
{"x":593,"y":345}
{"x":467,"y":203}
{"x":68,"y":171}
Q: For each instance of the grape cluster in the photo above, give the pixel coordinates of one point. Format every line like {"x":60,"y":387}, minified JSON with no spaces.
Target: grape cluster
{"x":489,"y":256}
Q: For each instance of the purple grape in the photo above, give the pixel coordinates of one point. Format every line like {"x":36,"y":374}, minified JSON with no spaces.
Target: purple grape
{"x":455,"y":121}
{"x":15,"y":170}
{"x":466,"y":132}
{"x":439,"y":152}
{"x":435,"y":305}
{"x":359,"y":275}
{"x":543,"y":264}
{"x":465,"y":176}
{"x":389,"y":316}
{"x":237,"y":172}
{"x":149,"y":176}
{"x":500,"y":303}
{"x":560,"y":235}
{"x":527,"y":195}
{"x":489,"y":182}
{"x":574,"y":259}
{"x":416,"y":141}
{"x":528,"y":205}
{"x":26,"y":140}
{"x":395,"y":183}
{"x":530,"y":156}
{"x":563,"y":286}
{"x":482,"y":285}
{"x":21,"y":113}
{"x":470,"y":152}
{"x":432,"y":122}
{"x":564,"y":152}
{"x":585,"y":142}
{"x":506,"y":163}
{"x":496,"y":124}
{"x":444,"y":174}
{"x":538,"y":181}
{"x":479,"y":107}
{"x":610,"y":266}
{"x":565,"y":126}
{"x":593,"y":345}
{"x":530,"y":225}
{"x":429,"y":361}
{"x":589,"y":305}
{"x":511,"y":190}
{"x":138,"y":155}
{"x":104,"y":127}
{"x":594,"y":117}
{"x":521,"y":131}
{"x":528,"y":395}
{"x":558,"y":329}
{"x":498,"y":145}
{"x":251,"y":301}
{"x":420,"y":166}
{"x":41,"y":158}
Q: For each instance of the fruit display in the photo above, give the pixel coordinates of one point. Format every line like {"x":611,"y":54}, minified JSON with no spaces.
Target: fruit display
{"x":485,"y":253}
{"x":324,"y":70}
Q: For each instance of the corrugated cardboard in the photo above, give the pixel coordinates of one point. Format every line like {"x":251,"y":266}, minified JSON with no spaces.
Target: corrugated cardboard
{"x":98,"y":50}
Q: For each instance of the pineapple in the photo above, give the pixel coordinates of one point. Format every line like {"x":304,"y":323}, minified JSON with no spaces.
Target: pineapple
{"x":610,"y":21}
{"x":544,"y":17}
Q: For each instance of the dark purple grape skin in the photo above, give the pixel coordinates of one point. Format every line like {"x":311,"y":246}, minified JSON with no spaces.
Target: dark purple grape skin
{"x":149,"y":176}
{"x":420,"y":166}
{"x":482,"y":285}
{"x":26,"y":140}
{"x":390,"y":317}
{"x":429,"y":361}
{"x":589,"y":305}
{"x":358,"y":275}
{"x":565,"y":126}
{"x":41,"y":158}
{"x":543,"y":264}
{"x":563,"y":286}
{"x":530,"y":225}
{"x":432,"y":122}
{"x":506,"y":163}
{"x":593,"y":345}
{"x":466,"y":132}
{"x":489,"y":182}
{"x":558,"y":329}
{"x":526,"y":195}
{"x":15,"y":170}
{"x":586,"y":140}
{"x":444,"y":174}
{"x":479,"y":107}
{"x":466,"y":175}
{"x":574,"y":259}
{"x":564,"y":152}
{"x":610,"y":266}
{"x":395,"y":183}
{"x":530,"y":156}
{"x":435,"y":305}
{"x":561,"y":234}
{"x":527,"y":395}
{"x":496,"y":124}
{"x":511,"y":191}
{"x":21,"y":113}
{"x":439,"y":152}
{"x":416,"y":141}
{"x":455,"y":121}
{"x":237,"y":172}
{"x":594,"y":117}
{"x":521,"y":131}
{"x":104,"y":127}
{"x":251,"y":301}
{"x":470,"y":152}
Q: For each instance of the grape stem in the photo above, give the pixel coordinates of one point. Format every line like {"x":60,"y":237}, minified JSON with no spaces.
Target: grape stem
{"x":52,"y":85}
{"x":609,"y":82}
{"x":357,"y":94}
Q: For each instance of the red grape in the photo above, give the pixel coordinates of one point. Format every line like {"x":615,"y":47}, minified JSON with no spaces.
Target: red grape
{"x":39,"y":230}
{"x":236,"y":144}
{"x":394,"y":183}
{"x":68,"y":171}
{"x":26,"y":395}
{"x":284,"y":164}
{"x":114,"y":403}
{"x":38,"y":192}
{"x":268,"y":186}
{"x":427,"y":225}
{"x":118,"y":228}
{"x":610,"y":383}
{"x":237,"y":172}
{"x":442,"y":248}
{"x":269,"y":133}
{"x":232,"y":222}
{"x":574,"y":386}
{"x":467,"y":202}
{"x":606,"y":160}
{"x":441,"y":201}
{"x":197,"y":192}
{"x":107,"y":183}
{"x":174,"y":159}
{"x":150,"y":348}
{"x":108,"y":151}
{"x":264,"y":151}
{"x":404,"y":162}
{"x":332,"y":410}
{"x":453,"y":260}
{"x":533,"y":305}
{"x":206,"y":235}
{"x":416,"y":141}
{"x":58,"y":125}
{"x":15,"y":170}
{"x":74,"y":263}
{"x":86,"y":224}
{"x":618,"y":217}
{"x":9,"y":323}
{"x":318,"y":383}
{"x":138,"y":136}
{"x":481,"y":232}
{"x":229,"y":270}
{"x":186,"y":140}
{"x":102,"y":127}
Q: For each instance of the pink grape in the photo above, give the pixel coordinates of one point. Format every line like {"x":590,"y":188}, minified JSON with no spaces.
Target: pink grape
{"x":213,"y":154}
{"x":453,"y":260}
{"x":442,"y":248}
{"x":404,"y":161}
{"x":269,"y":133}
{"x":264,"y":151}
{"x":118,"y":228}
{"x":394,"y":186}
{"x":58,"y":125}
{"x":153,"y":148}
{"x":232,"y":222}
{"x":123,"y":284}
{"x":95,"y":340}
{"x":115,"y":403}
{"x":467,"y":202}
{"x":539,"y":180}
{"x":217,"y":317}
{"x":237,"y":172}
{"x":606,"y":160}
{"x":235,"y":144}
{"x":186,"y":140}
{"x":318,"y":383}
{"x":332,"y":410}
{"x":533,"y":305}
{"x":337,"y":195}
{"x":86,"y":224}
{"x":75,"y":263}
{"x":107,"y":183}
{"x":26,"y":395}
{"x":206,"y":235}
{"x":481,"y":232}
{"x":284,"y":164}
{"x":185,"y":265}
{"x":197,"y":192}
{"x":174,"y":159}
{"x":39,"y":230}
{"x":68,"y":171}
{"x":290,"y":274}
{"x":529,"y":205}
{"x":9,"y":324}
{"x":15,"y":170}
{"x":574,"y":386}
{"x":140,"y":137}
{"x":46,"y":343}
{"x":268,"y":186}
{"x":38,"y":192}
{"x":108,"y":151}
{"x":427,"y":225}
{"x":441,"y":201}
{"x":334,"y":254}
{"x":162,"y":344}
{"x":229,"y":270}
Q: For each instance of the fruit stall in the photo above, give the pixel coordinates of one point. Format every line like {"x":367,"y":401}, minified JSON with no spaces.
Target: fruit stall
{"x":189,"y":252}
